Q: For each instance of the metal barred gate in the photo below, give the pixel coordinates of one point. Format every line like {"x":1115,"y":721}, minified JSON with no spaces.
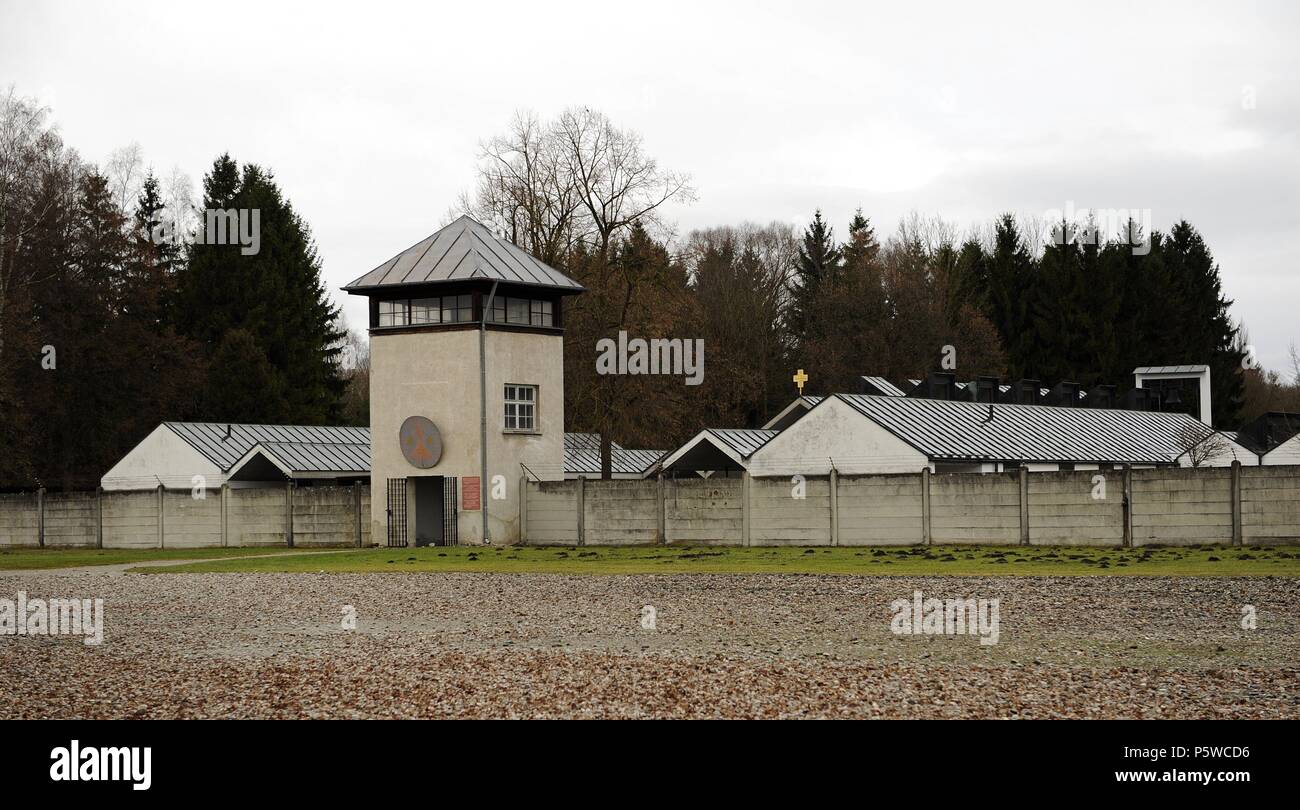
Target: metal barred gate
{"x":450,"y":532}
{"x":397,"y":512}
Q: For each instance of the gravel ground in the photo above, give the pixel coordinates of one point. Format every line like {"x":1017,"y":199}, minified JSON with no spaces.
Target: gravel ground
{"x":511,"y":645}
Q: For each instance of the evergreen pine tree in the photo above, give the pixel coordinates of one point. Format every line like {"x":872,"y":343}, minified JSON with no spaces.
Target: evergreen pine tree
{"x":252,"y":390}
{"x":1206,"y":330}
{"x":862,"y":250}
{"x":1011,"y":290}
{"x":819,"y":261}
{"x":274,"y":295}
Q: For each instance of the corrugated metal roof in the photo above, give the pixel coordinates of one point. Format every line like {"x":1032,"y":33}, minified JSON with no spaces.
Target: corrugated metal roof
{"x":209,"y":438}
{"x":586,"y":460}
{"x":464,"y":250}
{"x":1170,"y":369}
{"x":308,"y":457}
{"x":585,"y":441}
{"x":743,"y":440}
{"x":944,"y":429}
{"x":884,"y":386}
{"x":582,"y":456}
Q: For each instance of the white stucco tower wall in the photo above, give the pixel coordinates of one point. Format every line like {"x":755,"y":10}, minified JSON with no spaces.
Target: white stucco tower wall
{"x":436,"y":375}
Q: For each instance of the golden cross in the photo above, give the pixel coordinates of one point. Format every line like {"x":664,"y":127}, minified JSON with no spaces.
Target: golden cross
{"x":799,"y":379}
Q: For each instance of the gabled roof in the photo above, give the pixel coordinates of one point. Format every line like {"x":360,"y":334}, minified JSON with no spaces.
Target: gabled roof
{"x":297,"y":459}
{"x":945,"y":429}
{"x":211,"y":441}
{"x":1225,"y":447}
{"x":733,"y":444}
{"x":744,"y":440}
{"x":781,"y":420}
{"x":462,"y":251}
{"x":1269,"y":430}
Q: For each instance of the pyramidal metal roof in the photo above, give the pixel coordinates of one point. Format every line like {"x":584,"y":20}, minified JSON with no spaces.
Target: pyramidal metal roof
{"x":327,"y":444}
{"x":463,"y":251}
{"x":946,"y":429}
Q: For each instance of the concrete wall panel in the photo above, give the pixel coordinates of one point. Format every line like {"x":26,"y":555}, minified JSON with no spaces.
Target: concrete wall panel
{"x":880,"y":510}
{"x":703,"y":511}
{"x":1182,"y":506}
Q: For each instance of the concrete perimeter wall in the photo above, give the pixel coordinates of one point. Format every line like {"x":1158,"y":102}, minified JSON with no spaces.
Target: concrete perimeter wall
{"x":1183,"y":507}
{"x":1076,"y":509}
{"x":702,"y":511}
{"x":1169,"y":506}
{"x":620,"y":513}
{"x":158,"y":518}
{"x":1270,"y":510}
{"x":975,"y":508}
{"x":20,"y":519}
{"x":880,"y":510}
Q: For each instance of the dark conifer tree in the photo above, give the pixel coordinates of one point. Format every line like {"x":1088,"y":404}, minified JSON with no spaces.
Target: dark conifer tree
{"x":1011,"y":291}
{"x":275,"y":295}
{"x":862,"y":250}
{"x":1204,"y":326}
{"x":819,"y":261}
{"x":149,"y":221}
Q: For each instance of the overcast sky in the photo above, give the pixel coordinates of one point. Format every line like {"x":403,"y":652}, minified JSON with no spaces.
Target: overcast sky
{"x":370,"y":114}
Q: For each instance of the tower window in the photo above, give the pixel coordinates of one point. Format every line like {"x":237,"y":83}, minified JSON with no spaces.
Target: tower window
{"x":521,"y":407}
{"x":517,"y":310}
{"x":393,"y":313}
{"x":426,"y":310}
{"x":540,"y":313}
{"x":522,"y":311}
{"x":457,"y":308}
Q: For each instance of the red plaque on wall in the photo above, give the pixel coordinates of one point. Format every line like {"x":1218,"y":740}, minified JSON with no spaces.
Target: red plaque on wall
{"x":470,"y":497}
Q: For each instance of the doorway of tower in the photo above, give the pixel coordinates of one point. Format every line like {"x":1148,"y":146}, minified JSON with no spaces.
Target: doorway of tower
{"x":435,"y":510}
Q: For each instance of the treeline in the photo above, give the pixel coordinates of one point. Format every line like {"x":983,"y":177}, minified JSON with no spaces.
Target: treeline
{"x":767,"y":300}
{"x":113,"y":318}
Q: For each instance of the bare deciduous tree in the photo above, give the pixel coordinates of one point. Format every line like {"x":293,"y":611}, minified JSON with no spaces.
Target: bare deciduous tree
{"x":577,"y":180}
{"x":581,"y":194}
{"x":1201,"y":445}
{"x":741,"y":277}
{"x":524,"y":191}
{"x":30,"y":152}
{"x":179,"y":203}
{"x":354,"y":367}
{"x":617,"y":183}
{"x":125,"y":173}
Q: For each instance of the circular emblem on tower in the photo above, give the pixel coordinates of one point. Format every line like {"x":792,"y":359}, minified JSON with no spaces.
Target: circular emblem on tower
{"x":421,"y":443}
